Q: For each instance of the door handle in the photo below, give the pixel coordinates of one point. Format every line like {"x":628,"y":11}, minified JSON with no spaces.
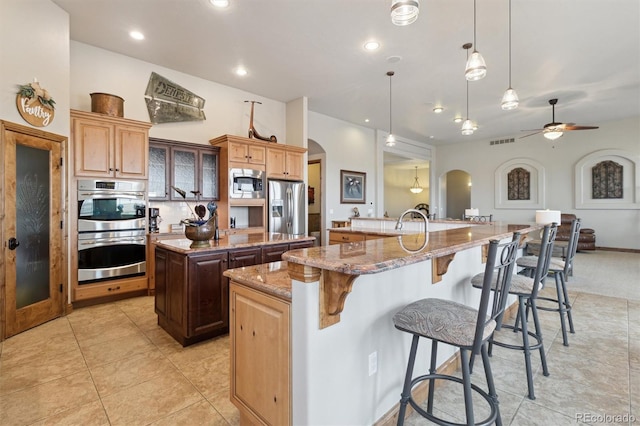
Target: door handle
{"x":13,"y":243}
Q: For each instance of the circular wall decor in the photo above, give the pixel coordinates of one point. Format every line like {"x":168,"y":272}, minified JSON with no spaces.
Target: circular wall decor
{"x":35,"y":105}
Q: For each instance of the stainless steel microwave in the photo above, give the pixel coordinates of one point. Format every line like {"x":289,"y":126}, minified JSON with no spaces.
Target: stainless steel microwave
{"x":246,"y":183}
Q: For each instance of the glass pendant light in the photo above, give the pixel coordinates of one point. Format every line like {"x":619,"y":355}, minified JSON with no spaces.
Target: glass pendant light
{"x":404,"y":12}
{"x":416,"y":188}
{"x":476,"y":68}
{"x":467,"y":125}
{"x":510,"y":98}
{"x":391,"y":140}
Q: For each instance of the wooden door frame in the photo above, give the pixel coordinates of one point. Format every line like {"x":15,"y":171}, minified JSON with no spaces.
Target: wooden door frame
{"x":62,"y":140}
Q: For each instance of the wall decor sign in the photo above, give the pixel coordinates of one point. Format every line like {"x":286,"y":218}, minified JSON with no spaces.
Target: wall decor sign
{"x":35,"y":104}
{"x":168,"y":102}
{"x":352,"y":187}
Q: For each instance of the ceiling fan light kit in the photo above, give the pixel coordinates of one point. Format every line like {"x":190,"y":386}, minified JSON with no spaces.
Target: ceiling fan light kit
{"x":404,"y":12}
{"x":552,"y":134}
{"x":554,"y":130}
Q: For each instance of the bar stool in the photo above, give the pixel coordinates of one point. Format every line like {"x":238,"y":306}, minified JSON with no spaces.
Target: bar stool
{"x":458,"y":325}
{"x":526,"y":289}
{"x":561,"y":270}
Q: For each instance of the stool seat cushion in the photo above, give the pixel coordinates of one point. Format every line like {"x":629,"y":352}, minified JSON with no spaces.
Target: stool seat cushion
{"x":520,"y":285}
{"x":555,"y":264}
{"x":442,"y":320}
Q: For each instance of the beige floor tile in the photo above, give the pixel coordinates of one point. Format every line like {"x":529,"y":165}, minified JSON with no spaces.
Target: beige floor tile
{"x":117,"y":349}
{"x":49,"y":338}
{"x":184,"y":357}
{"x":127,"y":372}
{"x":103,"y":333}
{"x":33,"y":404}
{"x":201,"y":413}
{"x":91,"y":414}
{"x":223,"y":405}
{"x":39,"y":369}
{"x":209,"y":375}
{"x":151,"y":400}
{"x":530,"y":413}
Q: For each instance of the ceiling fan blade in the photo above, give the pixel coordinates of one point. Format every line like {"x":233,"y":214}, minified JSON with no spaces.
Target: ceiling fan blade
{"x":530,"y":134}
{"x":574,"y":127}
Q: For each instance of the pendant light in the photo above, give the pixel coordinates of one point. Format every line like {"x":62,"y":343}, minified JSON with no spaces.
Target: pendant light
{"x":404,"y":12}
{"x":510,"y":98}
{"x":467,"y":125}
{"x":391,"y":140}
{"x":476,"y":68}
{"x":416,"y":188}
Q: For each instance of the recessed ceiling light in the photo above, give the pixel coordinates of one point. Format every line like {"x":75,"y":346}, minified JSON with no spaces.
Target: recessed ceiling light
{"x":394,"y":59}
{"x":371,"y":45}
{"x":219,"y":3}
{"x":457,"y":119}
{"x":431,"y":137}
{"x":366,"y":120}
{"x":136,"y":35}
{"x":438,"y":109}
{"x":241,"y":71}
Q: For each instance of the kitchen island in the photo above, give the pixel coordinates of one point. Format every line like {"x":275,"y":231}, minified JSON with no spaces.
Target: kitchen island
{"x":341,"y":360}
{"x":191,"y":292}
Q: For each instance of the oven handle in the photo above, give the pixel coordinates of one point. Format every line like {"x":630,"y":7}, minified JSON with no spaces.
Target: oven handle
{"x":111,"y":241}
{"x":99,"y":195}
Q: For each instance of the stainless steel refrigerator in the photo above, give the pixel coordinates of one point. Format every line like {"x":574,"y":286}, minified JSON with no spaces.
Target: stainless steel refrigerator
{"x":286,"y":207}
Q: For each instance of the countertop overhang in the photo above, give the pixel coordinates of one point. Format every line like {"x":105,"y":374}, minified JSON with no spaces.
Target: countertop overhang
{"x":233,"y":241}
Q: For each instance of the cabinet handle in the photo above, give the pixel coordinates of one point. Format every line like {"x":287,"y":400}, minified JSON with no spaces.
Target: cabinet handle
{"x":114,"y":288}
{"x":117,"y":170}
{"x":110,"y":169}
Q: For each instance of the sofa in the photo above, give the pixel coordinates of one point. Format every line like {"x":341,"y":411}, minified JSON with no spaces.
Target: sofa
{"x":587,"y":238}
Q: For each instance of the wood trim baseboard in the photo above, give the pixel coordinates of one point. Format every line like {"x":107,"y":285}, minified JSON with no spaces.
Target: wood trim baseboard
{"x":623,"y":250}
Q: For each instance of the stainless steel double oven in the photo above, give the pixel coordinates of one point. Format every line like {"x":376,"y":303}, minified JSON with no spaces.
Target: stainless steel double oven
{"x":111,"y":230}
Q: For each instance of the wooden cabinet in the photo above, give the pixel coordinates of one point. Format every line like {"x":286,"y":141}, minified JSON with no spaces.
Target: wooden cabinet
{"x":109,"y":147}
{"x":151,"y":257}
{"x":245,"y":257}
{"x":285,"y":163}
{"x":345,"y":237}
{"x":191,"y":167}
{"x":260,"y":384}
{"x":273,"y":252}
{"x":192,"y":299}
{"x":249,"y":153}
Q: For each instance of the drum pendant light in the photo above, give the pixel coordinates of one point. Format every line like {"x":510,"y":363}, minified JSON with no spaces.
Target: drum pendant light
{"x":510,"y":98}
{"x":476,"y":68}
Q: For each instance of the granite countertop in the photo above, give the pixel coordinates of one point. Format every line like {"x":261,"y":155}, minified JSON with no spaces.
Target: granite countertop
{"x":182,"y":245}
{"x":270,"y":278}
{"x":374,"y":256}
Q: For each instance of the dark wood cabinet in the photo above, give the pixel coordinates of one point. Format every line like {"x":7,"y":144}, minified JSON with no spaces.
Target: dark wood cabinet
{"x":245,"y":257}
{"x":273,"y":252}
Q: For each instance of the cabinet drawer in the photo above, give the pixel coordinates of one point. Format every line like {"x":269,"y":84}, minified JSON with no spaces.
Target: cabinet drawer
{"x":344,"y":237}
{"x":110,"y":288}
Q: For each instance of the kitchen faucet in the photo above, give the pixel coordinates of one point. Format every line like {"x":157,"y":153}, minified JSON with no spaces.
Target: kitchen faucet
{"x":399,"y":223}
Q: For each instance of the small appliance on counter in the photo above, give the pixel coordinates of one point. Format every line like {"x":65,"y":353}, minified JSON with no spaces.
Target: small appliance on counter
{"x":154,"y":220}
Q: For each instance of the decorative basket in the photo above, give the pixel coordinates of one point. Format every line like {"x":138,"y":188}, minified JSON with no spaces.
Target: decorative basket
{"x":104,"y":103}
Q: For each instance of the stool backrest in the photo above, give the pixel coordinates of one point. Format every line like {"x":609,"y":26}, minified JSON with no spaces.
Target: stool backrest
{"x":572,"y":247}
{"x":497,"y":280}
{"x":544,"y":257}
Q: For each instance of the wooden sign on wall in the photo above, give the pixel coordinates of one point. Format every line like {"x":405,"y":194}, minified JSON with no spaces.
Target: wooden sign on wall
{"x":35,"y":105}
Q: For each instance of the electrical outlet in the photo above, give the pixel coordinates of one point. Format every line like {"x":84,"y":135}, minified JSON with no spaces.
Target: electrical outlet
{"x":373,"y":363}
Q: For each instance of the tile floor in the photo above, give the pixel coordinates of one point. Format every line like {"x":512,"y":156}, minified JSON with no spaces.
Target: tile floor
{"x":112,"y":365}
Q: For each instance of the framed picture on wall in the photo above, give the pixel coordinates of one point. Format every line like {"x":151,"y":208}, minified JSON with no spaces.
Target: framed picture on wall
{"x":352,"y":187}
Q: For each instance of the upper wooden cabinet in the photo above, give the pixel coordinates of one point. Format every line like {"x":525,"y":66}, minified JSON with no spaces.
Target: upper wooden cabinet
{"x":188,"y":166}
{"x":109,"y":147}
{"x":240,"y":152}
{"x":285,"y":163}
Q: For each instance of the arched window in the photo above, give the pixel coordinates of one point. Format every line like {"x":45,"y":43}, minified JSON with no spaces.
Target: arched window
{"x":519,"y":184}
{"x":606,"y":178}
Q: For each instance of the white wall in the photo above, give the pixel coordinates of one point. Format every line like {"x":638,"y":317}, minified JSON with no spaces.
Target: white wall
{"x":614,"y":228}
{"x":397,"y":197}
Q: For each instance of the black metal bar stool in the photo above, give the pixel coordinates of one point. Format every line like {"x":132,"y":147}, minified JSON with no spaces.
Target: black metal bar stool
{"x":459,"y":325}
{"x":561,"y":270}
{"x":526,"y":289}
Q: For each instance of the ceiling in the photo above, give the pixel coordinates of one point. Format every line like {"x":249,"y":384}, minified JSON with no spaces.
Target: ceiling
{"x":586,"y":53}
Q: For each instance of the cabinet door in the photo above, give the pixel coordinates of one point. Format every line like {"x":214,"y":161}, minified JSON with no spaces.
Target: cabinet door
{"x":276,"y":167}
{"x":344,"y":237}
{"x":238,"y":152}
{"x":301,"y":244}
{"x":185,"y":173}
{"x":209,"y":175}
{"x":260,"y":324}
{"x":208,"y":293}
{"x":294,"y":165}
{"x":158,"y":172}
{"x":245,"y":257}
{"x":93,"y":148}
{"x":131,"y":153}
{"x":273,"y":252}
{"x":257,"y":154}
{"x":161,"y":260}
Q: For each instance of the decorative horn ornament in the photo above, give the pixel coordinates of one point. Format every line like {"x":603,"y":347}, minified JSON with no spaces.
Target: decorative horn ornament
{"x":253,"y":133}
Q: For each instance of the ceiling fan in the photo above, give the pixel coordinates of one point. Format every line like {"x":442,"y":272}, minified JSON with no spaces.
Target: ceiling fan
{"x":554,"y":130}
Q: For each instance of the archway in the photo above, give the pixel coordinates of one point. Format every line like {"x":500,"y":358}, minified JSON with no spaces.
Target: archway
{"x":455,"y":193}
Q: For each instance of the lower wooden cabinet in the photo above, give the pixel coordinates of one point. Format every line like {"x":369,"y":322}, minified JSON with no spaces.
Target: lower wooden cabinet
{"x":260,"y":356}
{"x":191,"y":298}
{"x":273,"y":252}
{"x":345,"y":237}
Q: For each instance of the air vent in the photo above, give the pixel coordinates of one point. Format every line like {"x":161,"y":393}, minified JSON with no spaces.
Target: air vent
{"x":501,"y":141}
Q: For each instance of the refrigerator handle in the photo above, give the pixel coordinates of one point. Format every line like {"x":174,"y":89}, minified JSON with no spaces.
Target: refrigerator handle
{"x":289,"y":208}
